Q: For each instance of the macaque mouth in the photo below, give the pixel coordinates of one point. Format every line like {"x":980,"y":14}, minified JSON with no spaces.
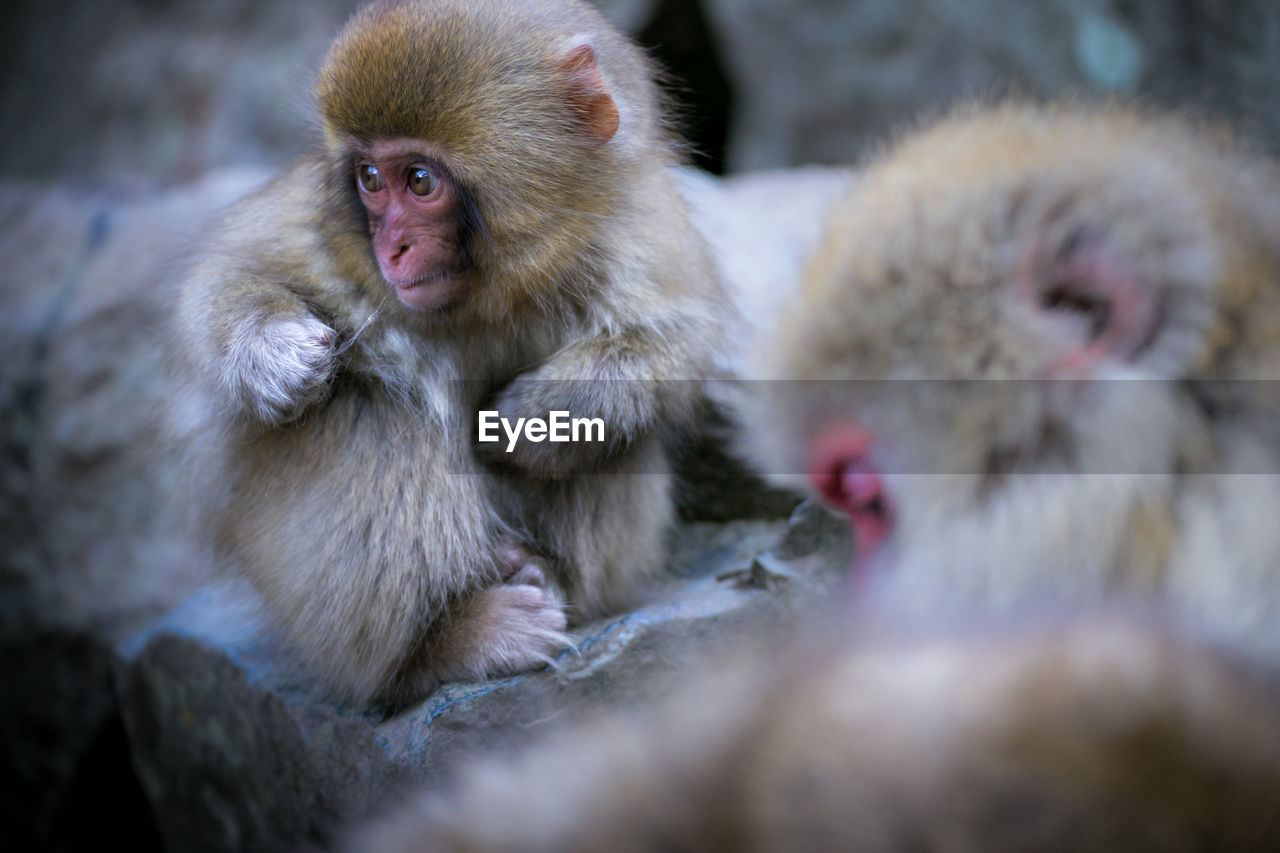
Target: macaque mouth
{"x":431,"y":291}
{"x":429,"y":278}
{"x":845,"y":478}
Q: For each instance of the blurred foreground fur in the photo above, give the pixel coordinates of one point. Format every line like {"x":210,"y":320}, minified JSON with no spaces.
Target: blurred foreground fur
{"x":1098,"y":735}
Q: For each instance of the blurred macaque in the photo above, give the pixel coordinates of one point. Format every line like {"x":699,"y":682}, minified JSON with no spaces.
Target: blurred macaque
{"x":1095,"y":735}
{"x":1035,"y":358}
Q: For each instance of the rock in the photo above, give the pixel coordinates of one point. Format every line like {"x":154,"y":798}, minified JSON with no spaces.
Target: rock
{"x":56,"y":707}
{"x":169,"y":93}
{"x":92,"y":545}
{"x":228,"y":766}
{"x":813,"y":529}
{"x":817,"y":82}
{"x":93,"y":537}
{"x":234,"y":752}
{"x":160,"y":93}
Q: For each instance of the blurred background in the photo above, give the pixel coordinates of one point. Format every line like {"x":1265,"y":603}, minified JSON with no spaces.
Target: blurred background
{"x":165,"y":90}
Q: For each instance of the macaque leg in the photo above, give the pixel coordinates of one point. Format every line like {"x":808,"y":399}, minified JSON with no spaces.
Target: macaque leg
{"x":606,"y":532}
{"x":501,"y":630}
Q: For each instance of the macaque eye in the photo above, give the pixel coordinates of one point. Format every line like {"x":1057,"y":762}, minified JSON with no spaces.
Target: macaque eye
{"x":422,"y":182}
{"x":370,"y":180}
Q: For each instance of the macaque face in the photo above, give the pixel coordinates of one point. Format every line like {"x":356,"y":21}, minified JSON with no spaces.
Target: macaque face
{"x":414,"y":214}
{"x":991,"y":378}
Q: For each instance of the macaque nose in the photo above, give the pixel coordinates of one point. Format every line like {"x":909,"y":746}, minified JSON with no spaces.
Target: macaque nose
{"x":841,"y":473}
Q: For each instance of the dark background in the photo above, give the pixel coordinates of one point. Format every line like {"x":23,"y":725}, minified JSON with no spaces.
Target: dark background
{"x":164,"y":90}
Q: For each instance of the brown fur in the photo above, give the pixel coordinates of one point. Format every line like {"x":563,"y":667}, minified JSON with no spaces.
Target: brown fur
{"x":332,"y":427}
{"x":1030,"y":486}
{"x":1099,"y":735}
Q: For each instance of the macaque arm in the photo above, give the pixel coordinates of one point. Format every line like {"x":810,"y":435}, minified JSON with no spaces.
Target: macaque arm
{"x":642,"y":370}
{"x":256,"y":339}
{"x":622,"y":378}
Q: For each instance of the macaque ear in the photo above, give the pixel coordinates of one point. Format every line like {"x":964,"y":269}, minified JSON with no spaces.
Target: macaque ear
{"x":1094,"y":293}
{"x":588,"y":96}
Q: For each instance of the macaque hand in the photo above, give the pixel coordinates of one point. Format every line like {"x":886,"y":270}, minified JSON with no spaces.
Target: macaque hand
{"x":282,"y":368}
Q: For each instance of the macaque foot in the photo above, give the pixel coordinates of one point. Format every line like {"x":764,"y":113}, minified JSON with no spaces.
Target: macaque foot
{"x":519,"y":625}
{"x":284,"y":368}
{"x":513,"y":627}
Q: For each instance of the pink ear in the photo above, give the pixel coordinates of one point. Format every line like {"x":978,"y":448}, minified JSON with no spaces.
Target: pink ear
{"x":588,"y":96}
{"x":1091,"y":284}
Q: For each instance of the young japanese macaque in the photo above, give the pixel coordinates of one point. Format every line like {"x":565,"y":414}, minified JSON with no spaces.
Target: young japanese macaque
{"x":1035,"y":359}
{"x":491,"y":225}
{"x":1029,"y":362}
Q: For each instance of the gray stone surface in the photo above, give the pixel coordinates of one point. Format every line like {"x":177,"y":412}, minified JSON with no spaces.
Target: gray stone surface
{"x":234,"y":752}
{"x":820,"y":82}
{"x":139,"y":92}
{"x":91,"y":531}
{"x":147,"y":92}
{"x":229,"y":766}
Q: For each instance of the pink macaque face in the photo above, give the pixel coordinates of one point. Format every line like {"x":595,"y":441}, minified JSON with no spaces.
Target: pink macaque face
{"x":415,"y":218}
